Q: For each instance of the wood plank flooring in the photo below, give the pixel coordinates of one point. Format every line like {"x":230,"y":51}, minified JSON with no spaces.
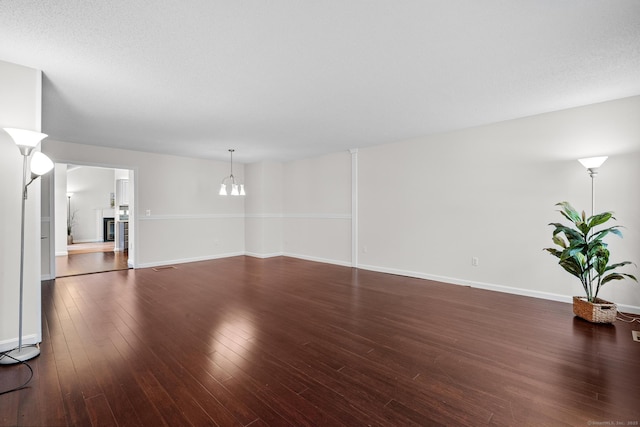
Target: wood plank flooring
{"x":87,"y":247}
{"x":82,"y":260}
{"x":284,"y":342}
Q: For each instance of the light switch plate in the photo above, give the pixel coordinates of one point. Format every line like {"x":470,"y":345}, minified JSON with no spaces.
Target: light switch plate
{"x":635,"y":335}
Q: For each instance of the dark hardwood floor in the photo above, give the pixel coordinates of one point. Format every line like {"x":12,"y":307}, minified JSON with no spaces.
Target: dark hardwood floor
{"x":86,"y":259}
{"x":244,"y":341}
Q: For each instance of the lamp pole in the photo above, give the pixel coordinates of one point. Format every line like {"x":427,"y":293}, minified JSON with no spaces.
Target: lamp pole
{"x":68,"y":215}
{"x":25,"y":155}
{"x":592,"y":174}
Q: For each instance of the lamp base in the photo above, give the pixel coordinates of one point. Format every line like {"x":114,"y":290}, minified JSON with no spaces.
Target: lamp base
{"x":19,"y":355}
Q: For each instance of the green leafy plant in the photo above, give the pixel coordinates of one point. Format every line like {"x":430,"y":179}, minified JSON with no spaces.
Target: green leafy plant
{"x":583,"y":253}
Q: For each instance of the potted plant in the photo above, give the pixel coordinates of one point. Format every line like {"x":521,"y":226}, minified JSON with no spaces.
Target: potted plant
{"x":584,"y":254}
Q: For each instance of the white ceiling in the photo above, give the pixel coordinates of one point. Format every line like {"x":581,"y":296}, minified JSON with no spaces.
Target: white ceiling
{"x":286,"y":79}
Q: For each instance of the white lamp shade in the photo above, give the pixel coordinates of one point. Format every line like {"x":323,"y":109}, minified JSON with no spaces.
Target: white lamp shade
{"x":593,"y":162}
{"x":25,"y":138}
{"x":242,"y":193}
{"x":223,"y":190}
{"x":40,"y":163}
{"x":234,"y":190}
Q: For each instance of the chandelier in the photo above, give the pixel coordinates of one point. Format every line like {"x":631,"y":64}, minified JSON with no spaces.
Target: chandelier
{"x":230,"y":181}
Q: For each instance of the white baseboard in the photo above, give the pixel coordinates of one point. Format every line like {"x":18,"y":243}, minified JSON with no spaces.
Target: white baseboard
{"x":62,"y":253}
{"x":447,"y":280}
{"x":88,"y":241}
{"x":252,"y":254}
{"x":298,"y":256}
{"x":186,"y":260}
{"x":257,"y":255}
{"x":628,"y":308}
{"x":7,"y":345}
{"x":318,"y":259}
{"x":489,"y":286}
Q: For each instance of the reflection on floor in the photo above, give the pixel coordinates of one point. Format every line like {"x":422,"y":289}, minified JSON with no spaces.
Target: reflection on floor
{"x":78,"y":248}
{"x":85,"y":258}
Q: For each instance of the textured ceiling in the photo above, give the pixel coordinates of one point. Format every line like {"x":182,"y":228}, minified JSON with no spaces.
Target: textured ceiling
{"x":279,"y":80}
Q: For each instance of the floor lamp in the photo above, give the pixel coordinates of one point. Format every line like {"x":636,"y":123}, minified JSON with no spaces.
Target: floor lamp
{"x":592,"y":164}
{"x":40,"y":164}
{"x":69,"y":218}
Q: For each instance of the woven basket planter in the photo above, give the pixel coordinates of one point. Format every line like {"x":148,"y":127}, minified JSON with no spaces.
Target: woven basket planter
{"x":600,"y":311}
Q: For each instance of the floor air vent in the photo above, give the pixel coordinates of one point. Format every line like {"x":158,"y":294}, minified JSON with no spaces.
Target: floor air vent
{"x":168,"y":267}
{"x":635,"y":335}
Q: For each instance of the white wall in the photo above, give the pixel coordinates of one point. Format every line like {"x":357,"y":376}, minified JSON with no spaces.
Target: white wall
{"x":121,"y":174}
{"x":427,"y":206}
{"x":47,"y":229}
{"x":20,"y":107}
{"x":60,"y":207}
{"x":91,"y":188}
{"x":188,"y":220}
{"x":300,"y":208}
{"x":263,"y":209}
{"x":317,"y":208}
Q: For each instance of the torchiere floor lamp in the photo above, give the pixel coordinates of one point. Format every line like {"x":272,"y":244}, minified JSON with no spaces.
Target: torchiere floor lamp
{"x":40,"y":164}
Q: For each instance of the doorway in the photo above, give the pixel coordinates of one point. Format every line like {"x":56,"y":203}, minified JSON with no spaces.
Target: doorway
{"x":92,"y":208}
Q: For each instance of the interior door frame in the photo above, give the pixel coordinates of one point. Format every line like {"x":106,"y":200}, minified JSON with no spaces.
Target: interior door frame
{"x":49,"y":180}
{"x":133,"y":196}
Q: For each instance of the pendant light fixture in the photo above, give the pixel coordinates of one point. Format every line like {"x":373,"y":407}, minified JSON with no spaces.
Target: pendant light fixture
{"x":230,"y":181}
